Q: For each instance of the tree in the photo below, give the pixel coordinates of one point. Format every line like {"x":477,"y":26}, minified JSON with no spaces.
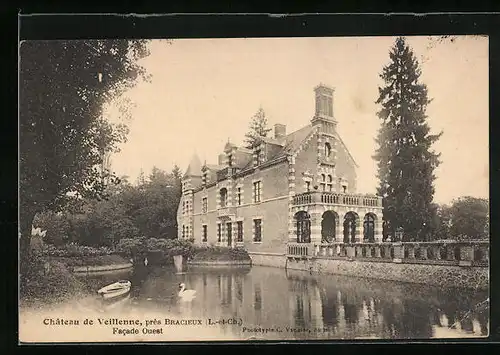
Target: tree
{"x":442,"y":222}
{"x":156,"y":212}
{"x":406,"y":162}
{"x":64,"y":136}
{"x":469,"y":218}
{"x":258,"y":128}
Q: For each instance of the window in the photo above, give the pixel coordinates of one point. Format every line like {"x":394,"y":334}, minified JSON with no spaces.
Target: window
{"x":256,"y":191}
{"x":205,"y":233}
{"x":330,"y":183}
{"x":223,"y":197}
{"x":230,"y":160}
{"x":204,"y":205}
{"x":239,"y":236}
{"x":328,"y":150}
{"x":257,"y":153}
{"x":238,"y":195}
{"x":183,"y":232}
{"x":219,"y":232}
{"x":308,"y":186}
{"x":344,"y":188}
{"x":303,"y":227}
{"x":323,"y":182}
{"x":257,"y":228}
{"x":183,"y":207}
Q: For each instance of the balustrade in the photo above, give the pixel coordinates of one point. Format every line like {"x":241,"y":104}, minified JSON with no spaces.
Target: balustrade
{"x":432,"y":253}
{"x":336,"y":198}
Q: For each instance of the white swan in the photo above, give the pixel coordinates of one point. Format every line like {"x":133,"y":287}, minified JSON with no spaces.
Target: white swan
{"x":186,"y":295}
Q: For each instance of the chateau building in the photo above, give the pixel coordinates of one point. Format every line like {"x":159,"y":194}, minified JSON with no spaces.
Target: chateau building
{"x":298,"y":187}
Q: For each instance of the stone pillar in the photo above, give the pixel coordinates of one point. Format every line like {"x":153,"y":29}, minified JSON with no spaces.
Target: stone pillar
{"x":339,"y":230}
{"x":350,"y":251}
{"x":399,"y":252}
{"x":359,"y":251}
{"x":315,"y":227}
{"x":359,"y":230}
{"x":466,"y":255}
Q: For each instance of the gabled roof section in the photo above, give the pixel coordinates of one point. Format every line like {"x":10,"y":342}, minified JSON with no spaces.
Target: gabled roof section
{"x":194,"y":167}
{"x":347,"y":150}
{"x":290,"y":144}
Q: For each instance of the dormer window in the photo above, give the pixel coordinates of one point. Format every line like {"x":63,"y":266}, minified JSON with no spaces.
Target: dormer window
{"x":230,"y":160}
{"x":258,"y":156}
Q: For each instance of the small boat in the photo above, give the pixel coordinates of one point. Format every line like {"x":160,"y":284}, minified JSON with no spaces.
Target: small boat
{"x":116,"y":289}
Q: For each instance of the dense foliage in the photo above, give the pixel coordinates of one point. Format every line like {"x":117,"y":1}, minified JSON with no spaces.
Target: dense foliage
{"x":148,"y":209}
{"x":406,"y":162}
{"x":258,"y":128}
{"x":467,"y":218}
{"x":64,"y":136}
{"x":217,"y":253}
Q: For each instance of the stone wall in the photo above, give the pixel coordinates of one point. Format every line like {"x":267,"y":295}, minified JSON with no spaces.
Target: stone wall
{"x":438,"y":275}
{"x":268,"y":259}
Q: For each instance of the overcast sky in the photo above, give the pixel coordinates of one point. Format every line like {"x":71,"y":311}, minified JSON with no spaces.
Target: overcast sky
{"x":203,"y":92}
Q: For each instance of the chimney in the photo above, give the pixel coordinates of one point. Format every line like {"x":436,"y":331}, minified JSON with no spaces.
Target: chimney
{"x":324,"y":101}
{"x":279,"y":131}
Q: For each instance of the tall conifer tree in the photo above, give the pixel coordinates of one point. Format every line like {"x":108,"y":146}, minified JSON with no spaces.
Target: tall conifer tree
{"x":258,"y":128}
{"x":406,"y":162}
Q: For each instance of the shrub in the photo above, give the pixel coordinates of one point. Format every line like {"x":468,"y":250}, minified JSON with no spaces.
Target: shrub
{"x":74,"y":249}
{"x":220,"y":253}
{"x":49,"y":281}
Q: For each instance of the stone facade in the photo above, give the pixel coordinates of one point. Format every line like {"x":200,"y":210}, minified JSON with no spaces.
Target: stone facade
{"x":297,"y":187}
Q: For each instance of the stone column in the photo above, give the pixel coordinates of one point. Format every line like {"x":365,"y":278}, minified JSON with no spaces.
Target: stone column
{"x":315,"y":227}
{"x":359,"y":230}
{"x":339,"y":230}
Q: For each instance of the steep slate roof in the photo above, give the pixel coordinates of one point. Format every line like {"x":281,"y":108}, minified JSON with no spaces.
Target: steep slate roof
{"x":194,"y":167}
{"x":290,"y":144}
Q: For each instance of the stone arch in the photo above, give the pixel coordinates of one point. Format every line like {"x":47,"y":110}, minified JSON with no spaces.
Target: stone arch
{"x":369,"y":223}
{"x":351,"y":226}
{"x":329,"y":225}
{"x":303,"y":227}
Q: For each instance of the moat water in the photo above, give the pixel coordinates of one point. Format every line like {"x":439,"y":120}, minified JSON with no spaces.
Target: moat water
{"x":265,"y":303}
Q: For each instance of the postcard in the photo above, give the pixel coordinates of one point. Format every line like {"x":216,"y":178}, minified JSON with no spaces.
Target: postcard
{"x":243,"y":189}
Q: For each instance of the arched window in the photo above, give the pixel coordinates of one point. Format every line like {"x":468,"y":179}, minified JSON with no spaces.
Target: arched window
{"x":330,"y":183}
{"x":303,"y":227}
{"x":223,"y":197}
{"x":323,"y":182}
{"x":328,"y":150}
{"x":369,"y":228}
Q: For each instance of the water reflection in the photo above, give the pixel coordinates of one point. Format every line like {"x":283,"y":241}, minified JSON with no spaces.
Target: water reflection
{"x":340,"y":307}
